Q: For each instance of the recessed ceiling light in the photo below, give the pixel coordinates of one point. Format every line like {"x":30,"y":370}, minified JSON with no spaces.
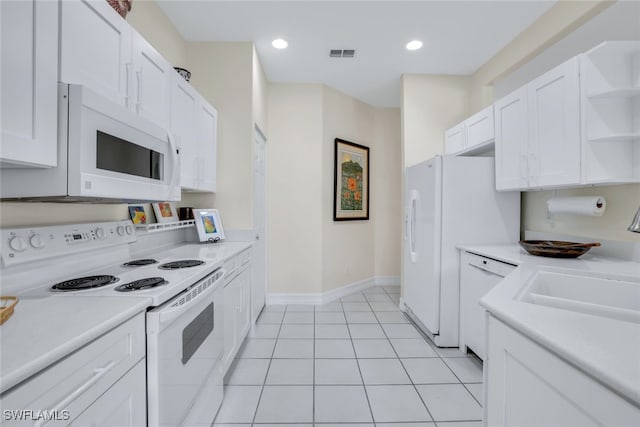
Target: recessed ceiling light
{"x":279,"y":43}
{"x":414,"y":45}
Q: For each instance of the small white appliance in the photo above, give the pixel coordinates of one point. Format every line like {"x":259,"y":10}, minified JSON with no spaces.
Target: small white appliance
{"x":450,"y":200}
{"x":184,"y":285}
{"x":106,"y":153}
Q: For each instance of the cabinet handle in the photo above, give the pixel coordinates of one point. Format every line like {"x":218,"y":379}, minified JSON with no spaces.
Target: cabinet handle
{"x":127,"y":97}
{"x":97,"y":374}
{"x":139,"y":91}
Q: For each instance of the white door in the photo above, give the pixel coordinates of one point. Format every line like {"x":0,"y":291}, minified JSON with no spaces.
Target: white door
{"x":95,"y":48}
{"x":422,"y":247}
{"x":259,"y":259}
{"x":511,"y":141}
{"x":151,"y":82}
{"x":454,"y":139}
{"x":29,"y":88}
{"x":554,"y":130}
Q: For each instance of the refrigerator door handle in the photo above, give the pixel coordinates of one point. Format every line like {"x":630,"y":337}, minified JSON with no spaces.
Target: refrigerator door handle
{"x":413,"y":207}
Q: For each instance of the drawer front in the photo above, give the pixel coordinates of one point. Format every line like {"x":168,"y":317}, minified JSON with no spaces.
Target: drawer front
{"x":71,"y":385}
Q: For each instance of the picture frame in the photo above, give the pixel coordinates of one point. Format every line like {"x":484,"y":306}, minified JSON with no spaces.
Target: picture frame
{"x":350,"y":181}
{"x":138,"y":214}
{"x":165,"y":212}
{"x":209,"y":225}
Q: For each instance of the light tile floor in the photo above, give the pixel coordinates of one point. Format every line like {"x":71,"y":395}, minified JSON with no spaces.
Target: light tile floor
{"x":353,"y":362}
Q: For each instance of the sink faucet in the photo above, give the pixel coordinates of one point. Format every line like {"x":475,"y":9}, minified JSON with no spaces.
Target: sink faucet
{"x":635,"y":224}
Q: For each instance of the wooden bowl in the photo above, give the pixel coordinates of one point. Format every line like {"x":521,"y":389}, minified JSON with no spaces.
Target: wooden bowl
{"x":556,"y":248}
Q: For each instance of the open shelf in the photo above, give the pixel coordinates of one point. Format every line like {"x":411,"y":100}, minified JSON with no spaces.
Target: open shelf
{"x":615,"y":93}
{"x":164,"y":226}
{"x":616,"y":138}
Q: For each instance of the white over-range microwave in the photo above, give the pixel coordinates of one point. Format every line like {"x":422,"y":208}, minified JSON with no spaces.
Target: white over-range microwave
{"x":106,"y":153}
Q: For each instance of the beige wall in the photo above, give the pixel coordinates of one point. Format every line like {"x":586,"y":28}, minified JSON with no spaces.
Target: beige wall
{"x":308,"y":251}
{"x":347,"y":246}
{"x":223,"y":74}
{"x":151,"y":22}
{"x":294,"y":188}
{"x":430,"y":105}
{"x":386,"y":203}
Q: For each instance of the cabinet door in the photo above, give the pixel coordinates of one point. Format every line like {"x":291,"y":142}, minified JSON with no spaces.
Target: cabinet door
{"x":151,"y":82}
{"x":123,"y":405}
{"x":480,"y":128}
{"x":511,"y":141}
{"x":554,"y":127}
{"x":244,"y":314}
{"x":232,"y":305}
{"x":183,"y":126}
{"x":95,"y":48}
{"x":529,"y":386}
{"x":29,"y":61}
{"x":454,"y":139}
{"x":208,"y":132}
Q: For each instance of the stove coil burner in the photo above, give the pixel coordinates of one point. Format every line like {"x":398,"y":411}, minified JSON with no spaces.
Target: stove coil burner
{"x":138,"y":285}
{"x":82,"y":283}
{"x":181,"y":264}
{"x":139,"y":262}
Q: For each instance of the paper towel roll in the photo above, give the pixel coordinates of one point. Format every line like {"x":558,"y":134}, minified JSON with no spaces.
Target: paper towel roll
{"x":590,"y":206}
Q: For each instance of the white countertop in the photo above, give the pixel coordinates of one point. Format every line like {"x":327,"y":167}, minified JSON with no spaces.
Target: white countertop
{"x":44,"y":330}
{"x":606,"y":349}
{"x":45,"y":327}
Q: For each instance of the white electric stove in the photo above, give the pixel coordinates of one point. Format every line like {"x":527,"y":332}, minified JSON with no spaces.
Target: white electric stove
{"x":184,"y":287}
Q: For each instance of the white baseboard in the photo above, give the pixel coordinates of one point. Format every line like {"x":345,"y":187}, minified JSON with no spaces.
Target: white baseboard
{"x":333,"y":294}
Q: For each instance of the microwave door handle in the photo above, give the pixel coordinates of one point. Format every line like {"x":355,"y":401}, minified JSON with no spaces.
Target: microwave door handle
{"x":174,"y":163}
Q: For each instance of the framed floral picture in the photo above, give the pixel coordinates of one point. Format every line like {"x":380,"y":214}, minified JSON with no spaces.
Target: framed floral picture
{"x":165,"y":212}
{"x":138,"y":214}
{"x":208,"y":225}
{"x":351,"y":181}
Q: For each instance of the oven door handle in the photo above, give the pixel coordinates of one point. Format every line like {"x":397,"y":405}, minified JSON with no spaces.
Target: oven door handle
{"x":180,"y":304}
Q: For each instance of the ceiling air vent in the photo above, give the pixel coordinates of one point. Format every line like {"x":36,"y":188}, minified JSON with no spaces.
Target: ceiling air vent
{"x":340,"y":53}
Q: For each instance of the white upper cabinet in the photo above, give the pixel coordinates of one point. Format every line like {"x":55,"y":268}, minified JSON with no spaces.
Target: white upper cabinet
{"x":471,"y":136}
{"x":554,"y":127}
{"x":95,"y":48}
{"x":537,"y":131}
{"x":610,"y":100}
{"x":512,"y":140}
{"x":454,"y":139}
{"x":183,"y":126}
{"x":208,"y":127}
{"x":576,"y":125}
{"x":28,"y":57}
{"x":151,"y":83}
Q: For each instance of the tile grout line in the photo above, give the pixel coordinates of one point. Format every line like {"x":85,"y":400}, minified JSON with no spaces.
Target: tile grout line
{"x":405,"y":369}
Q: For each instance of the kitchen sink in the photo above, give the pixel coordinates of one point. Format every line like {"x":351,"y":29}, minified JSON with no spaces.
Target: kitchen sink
{"x":616,"y":297}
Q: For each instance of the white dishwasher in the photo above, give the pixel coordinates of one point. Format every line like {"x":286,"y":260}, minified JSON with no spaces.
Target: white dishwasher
{"x":478,"y":275}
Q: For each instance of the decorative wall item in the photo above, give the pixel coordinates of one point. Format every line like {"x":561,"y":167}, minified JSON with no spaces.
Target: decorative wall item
{"x":165,"y":212}
{"x":351,"y":181}
{"x":138,"y":214}
{"x":121,"y":6}
{"x":208,"y":225}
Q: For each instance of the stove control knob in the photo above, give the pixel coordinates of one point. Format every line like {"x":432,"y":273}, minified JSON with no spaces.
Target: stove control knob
{"x":36,"y":241}
{"x":18,"y":244}
{"x":120,"y":230}
{"x":99,"y":233}
{"x":129,"y":229}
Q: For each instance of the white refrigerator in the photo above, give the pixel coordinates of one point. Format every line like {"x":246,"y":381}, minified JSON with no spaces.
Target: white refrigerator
{"x":449,"y":200}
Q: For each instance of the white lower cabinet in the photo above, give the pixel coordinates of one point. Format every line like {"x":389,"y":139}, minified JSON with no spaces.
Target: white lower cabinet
{"x":237,"y":309}
{"x":527,"y":385}
{"x":103,"y":383}
{"x":123,"y":405}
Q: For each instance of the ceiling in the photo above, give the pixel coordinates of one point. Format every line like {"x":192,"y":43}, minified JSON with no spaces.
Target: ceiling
{"x":458,"y":36}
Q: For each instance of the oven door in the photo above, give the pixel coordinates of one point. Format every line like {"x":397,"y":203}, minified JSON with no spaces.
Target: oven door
{"x":114,"y":153}
{"x":185,"y":342}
